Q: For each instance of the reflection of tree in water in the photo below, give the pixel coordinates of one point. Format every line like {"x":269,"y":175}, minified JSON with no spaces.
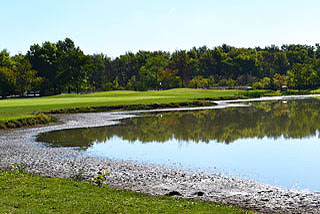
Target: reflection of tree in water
{"x":295,"y":119}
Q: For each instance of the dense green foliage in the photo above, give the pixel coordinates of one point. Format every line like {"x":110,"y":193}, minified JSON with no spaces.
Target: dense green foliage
{"x":294,"y":119}
{"x":25,"y":193}
{"x":59,"y":67}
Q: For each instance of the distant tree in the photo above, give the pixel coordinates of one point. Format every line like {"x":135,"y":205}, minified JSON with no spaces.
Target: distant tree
{"x":231,"y":82}
{"x":148,"y":74}
{"x":303,"y":76}
{"x":132,"y":83}
{"x":5,"y":59}
{"x":127,"y":65}
{"x":211,"y":81}
{"x":73,"y":70}
{"x":257,"y":85}
{"x":44,"y":59}
{"x":227,"y":82}
{"x":168,"y":79}
{"x":108,"y":86}
{"x":208,"y":64}
{"x":281,"y":63}
{"x":99,"y":74}
{"x":199,"y":82}
{"x":279,"y":80}
{"x":63,"y":66}
{"x":266,"y":82}
{"x":25,"y":77}
{"x":7,"y":81}
{"x":115,"y":84}
{"x":317,"y":53}
{"x":299,"y":53}
{"x":180,"y":61}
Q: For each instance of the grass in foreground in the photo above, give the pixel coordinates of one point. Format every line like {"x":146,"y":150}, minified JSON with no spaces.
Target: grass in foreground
{"x":22,"y":108}
{"x":25,"y":193}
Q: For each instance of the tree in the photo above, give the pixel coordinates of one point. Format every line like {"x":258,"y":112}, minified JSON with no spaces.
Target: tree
{"x":199,"y":82}
{"x":180,"y":60}
{"x":99,"y":75}
{"x":298,"y":53}
{"x":127,"y":65}
{"x":5,"y":59}
{"x":266,"y":82}
{"x":64,"y":66}
{"x":25,"y":77}
{"x":279,"y":80}
{"x":44,"y":59}
{"x":168,"y":79}
{"x":7,"y":81}
{"x":115,"y":83}
{"x":211,"y":81}
{"x":207,"y":63}
{"x":132,"y":83}
{"x":148,"y":74}
{"x":262,"y":84}
{"x":257,"y":85}
{"x":281,"y":64}
{"x":317,"y":53}
{"x":73,"y":69}
{"x":303,"y":76}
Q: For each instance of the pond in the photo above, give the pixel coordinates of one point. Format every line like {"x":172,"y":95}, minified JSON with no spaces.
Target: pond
{"x":274,"y":142}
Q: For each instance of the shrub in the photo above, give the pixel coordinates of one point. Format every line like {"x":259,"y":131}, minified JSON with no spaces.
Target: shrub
{"x":251,"y":94}
{"x":101,"y":177}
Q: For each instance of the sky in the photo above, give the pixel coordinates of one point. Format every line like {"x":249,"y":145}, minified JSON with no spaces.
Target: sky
{"x":114,"y":27}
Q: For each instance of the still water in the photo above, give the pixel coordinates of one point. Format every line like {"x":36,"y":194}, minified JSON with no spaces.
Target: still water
{"x":274,"y":142}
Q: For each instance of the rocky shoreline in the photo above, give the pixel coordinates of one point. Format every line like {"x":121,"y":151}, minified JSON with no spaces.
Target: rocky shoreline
{"x":19,"y":146}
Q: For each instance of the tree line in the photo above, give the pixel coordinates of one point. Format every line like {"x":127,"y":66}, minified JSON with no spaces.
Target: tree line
{"x":53,"y":68}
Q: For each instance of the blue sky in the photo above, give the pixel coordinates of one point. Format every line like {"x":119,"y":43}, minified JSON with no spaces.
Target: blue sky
{"x":115,"y":27}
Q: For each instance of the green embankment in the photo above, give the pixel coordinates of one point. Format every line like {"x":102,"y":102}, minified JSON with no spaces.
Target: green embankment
{"x":28,"y":111}
{"x":26,"y":108}
{"x":25,"y":193}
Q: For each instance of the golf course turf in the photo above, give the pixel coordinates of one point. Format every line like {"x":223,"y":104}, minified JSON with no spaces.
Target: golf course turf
{"x":29,"y":108}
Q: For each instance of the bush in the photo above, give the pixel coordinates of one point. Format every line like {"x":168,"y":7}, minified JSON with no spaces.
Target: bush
{"x":101,"y":177}
{"x":108,"y":86}
{"x":198,"y":82}
{"x":257,"y":85}
{"x":295,"y":92}
{"x":251,"y":94}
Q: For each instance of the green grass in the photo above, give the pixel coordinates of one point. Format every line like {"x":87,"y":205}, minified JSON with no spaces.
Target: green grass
{"x":21,"y":108}
{"x":28,"y":108}
{"x":25,"y":193}
{"x":316,"y":91}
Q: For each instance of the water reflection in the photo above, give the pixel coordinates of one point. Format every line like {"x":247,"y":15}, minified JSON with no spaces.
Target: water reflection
{"x":271,"y":142}
{"x":293,"y":119}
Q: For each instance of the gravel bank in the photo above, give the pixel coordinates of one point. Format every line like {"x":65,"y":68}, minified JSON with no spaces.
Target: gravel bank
{"x":19,"y":146}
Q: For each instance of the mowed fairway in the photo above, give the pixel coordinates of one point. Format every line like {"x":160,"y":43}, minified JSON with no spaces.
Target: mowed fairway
{"x":21,"y":108}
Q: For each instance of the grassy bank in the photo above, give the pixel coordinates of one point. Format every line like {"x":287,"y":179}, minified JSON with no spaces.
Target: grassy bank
{"x":25,"y":111}
{"x":26,"y":108}
{"x":25,"y":193}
